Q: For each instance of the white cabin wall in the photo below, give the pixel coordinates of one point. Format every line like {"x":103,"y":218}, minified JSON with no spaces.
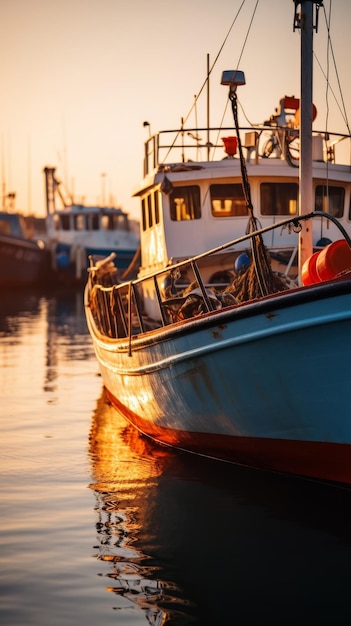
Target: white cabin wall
{"x":154,"y":251}
{"x":182,"y":239}
{"x":191,"y":237}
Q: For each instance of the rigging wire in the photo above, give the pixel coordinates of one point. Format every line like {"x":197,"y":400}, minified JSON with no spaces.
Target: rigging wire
{"x":236,"y":69}
{"x":330,"y":50}
{"x":329,"y":90}
{"x":196,"y":97}
{"x":328,"y":66}
{"x":342,"y":108}
{"x":215,"y":61}
{"x":327,"y":21}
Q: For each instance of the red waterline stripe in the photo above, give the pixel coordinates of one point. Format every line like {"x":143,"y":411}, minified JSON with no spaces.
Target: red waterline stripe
{"x":320,"y":460}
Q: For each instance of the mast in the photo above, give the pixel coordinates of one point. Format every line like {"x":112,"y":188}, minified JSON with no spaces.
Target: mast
{"x":208,"y":107}
{"x":304,"y":20}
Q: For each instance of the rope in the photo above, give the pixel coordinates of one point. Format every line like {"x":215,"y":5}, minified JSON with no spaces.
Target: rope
{"x":259,"y":279}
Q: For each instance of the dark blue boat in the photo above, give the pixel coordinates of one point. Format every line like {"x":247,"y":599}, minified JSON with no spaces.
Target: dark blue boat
{"x":23,"y":261}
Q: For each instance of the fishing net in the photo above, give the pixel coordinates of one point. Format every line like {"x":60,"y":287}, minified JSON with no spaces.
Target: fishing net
{"x":249,"y":285}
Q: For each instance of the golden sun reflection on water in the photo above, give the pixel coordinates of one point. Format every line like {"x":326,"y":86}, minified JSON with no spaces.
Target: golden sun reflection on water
{"x":120,"y":455}
{"x":125,"y":471}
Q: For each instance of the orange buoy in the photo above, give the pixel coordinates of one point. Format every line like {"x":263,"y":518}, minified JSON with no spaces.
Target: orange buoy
{"x":333,"y":259}
{"x":309,"y":274}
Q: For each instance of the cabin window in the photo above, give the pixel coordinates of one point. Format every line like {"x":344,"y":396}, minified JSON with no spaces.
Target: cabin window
{"x":143,"y":213}
{"x":185,"y":203}
{"x":120,"y":222}
{"x":279,"y":198}
{"x":94,"y":222}
{"x":107,"y":222}
{"x":157,"y":207}
{"x":149,"y":209}
{"x":65,"y":222}
{"x":79,"y":222}
{"x":330,"y":198}
{"x":227,"y":200}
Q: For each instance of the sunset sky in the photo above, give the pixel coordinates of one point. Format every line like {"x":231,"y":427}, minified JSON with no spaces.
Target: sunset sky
{"x":81,"y":76}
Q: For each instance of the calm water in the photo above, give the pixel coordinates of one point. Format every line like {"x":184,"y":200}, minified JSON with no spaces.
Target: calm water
{"x":99,"y":527}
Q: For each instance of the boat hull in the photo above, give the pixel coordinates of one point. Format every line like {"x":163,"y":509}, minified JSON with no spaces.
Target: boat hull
{"x":22,"y":263}
{"x":66,"y":255}
{"x":263,"y":384}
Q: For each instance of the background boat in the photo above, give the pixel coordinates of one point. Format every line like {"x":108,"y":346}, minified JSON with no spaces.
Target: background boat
{"x":24,"y":262}
{"x":75,"y":232}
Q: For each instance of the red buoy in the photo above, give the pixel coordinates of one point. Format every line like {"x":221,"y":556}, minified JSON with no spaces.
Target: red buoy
{"x":333,"y":259}
{"x":309,"y":274}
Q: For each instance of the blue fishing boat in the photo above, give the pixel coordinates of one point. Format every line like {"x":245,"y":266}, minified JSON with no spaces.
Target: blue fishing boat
{"x":237,"y":348}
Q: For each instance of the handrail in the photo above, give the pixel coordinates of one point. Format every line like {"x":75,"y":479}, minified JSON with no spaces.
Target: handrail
{"x":293,"y":221}
{"x":131,"y":286}
{"x":153,"y":145}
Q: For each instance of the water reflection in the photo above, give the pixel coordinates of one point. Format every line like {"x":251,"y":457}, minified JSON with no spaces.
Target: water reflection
{"x":191,"y":541}
{"x":126,"y":469}
{"x":48,"y":389}
{"x":65,"y":324}
{"x":64,"y":312}
{"x":177,"y":539}
{"x":49,"y":327}
{"x":46,"y":515}
{"x":14,"y":308}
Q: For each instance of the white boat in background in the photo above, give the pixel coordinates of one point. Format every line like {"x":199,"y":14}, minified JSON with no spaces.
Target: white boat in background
{"x":75,"y":232}
{"x":234,"y":339}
